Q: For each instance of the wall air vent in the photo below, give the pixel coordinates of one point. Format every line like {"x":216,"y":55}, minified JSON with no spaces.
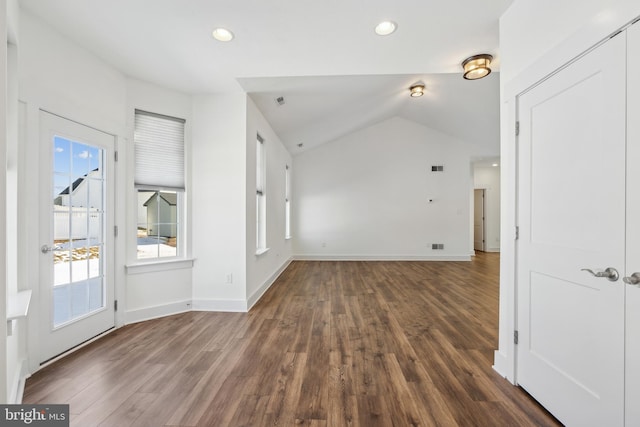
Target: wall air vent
{"x":438,"y":168}
{"x":437,"y":246}
{"x":280,"y":100}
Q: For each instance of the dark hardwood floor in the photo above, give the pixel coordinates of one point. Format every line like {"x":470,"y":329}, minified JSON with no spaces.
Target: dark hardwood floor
{"x":330,"y":344}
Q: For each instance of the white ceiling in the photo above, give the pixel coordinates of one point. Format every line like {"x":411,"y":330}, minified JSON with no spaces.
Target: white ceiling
{"x":335,"y":73}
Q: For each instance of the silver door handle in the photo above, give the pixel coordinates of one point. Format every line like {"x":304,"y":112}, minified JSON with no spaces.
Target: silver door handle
{"x":608,"y":273}
{"x":46,"y":248}
{"x":634,"y":279}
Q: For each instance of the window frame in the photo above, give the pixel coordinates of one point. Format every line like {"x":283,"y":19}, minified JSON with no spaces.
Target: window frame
{"x":180,"y":229}
{"x":178,"y":260}
{"x":287,"y":202}
{"x":261,"y":196}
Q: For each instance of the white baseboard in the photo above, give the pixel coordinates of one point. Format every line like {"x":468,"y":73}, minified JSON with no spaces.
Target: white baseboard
{"x":501,"y":365}
{"x":255,"y":297}
{"x":157,"y":311}
{"x":493,"y":250}
{"x":228,"y":305}
{"x":18,"y":382}
{"x":328,"y":257}
{"x":223,"y":305}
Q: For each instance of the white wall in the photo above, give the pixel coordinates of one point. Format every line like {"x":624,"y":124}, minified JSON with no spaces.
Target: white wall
{"x":536,"y":38}
{"x":489,"y":179}
{"x":264,"y":268}
{"x":366,"y":195}
{"x":219,"y":145}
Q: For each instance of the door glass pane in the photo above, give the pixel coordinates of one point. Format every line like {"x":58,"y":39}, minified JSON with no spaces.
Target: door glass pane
{"x":79,"y":266}
{"x":95,"y":261}
{"x":61,"y":155}
{"x":96,"y":296}
{"x":61,"y":306}
{"x":78,"y":228}
{"x":95,"y":197}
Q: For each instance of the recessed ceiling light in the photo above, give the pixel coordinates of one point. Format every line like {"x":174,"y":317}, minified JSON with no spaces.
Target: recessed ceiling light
{"x":222,"y":34}
{"x":495,"y":165}
{"x":417,"y":90}
{"x":385,"y":28}
{"x":477,"y":66}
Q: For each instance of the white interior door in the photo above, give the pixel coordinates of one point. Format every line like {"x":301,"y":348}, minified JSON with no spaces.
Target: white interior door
{"x":632,"y":393}
{"x":571,"y":214}
{"x":76,"y":257}
{"x":478,"y":220}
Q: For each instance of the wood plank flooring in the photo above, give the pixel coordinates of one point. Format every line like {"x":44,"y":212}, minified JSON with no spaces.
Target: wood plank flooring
{"x":330,"y":344}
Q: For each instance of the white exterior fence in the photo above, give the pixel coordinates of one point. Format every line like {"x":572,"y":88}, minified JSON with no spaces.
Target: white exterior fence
{"x":72,"y":223}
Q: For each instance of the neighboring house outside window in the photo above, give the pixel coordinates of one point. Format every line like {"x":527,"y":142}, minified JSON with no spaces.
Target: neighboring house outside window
{"x":159,"y":181}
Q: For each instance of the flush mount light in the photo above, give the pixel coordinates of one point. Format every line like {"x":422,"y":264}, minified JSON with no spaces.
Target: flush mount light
{"x":385,"y":28}
{"x":222,"y":35}
{"x":477,"y":66}
{"x":417,"y":90}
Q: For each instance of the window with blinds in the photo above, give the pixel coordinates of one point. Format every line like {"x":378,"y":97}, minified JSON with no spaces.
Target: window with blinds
{"x":159,"y":151}
{"x":160,"y":184}
{"x":287,"y":202}
{"x":261,"y":197}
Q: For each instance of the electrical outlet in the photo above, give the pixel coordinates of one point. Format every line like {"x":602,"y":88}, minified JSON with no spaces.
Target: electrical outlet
{"x":229,"y":278}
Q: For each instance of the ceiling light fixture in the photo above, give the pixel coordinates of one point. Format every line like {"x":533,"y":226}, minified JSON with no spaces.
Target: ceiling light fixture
{"x":417,"y":90}
{"x":222,"y":35}
{"x":477,"y":66}
{"x":385,"y":28}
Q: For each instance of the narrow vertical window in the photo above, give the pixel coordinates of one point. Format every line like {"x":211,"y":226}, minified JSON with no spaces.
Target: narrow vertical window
{"x":261,"y":196}
{"x":287,"y":202}
{"x":159,"y":181}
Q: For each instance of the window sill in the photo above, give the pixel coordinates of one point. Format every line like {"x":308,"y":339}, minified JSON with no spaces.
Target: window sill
{"x":262,"y":251}
{"x":156,"y":266}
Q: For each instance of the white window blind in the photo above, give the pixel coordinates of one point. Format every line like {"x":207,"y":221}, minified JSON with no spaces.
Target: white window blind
{"x":159,"y":151}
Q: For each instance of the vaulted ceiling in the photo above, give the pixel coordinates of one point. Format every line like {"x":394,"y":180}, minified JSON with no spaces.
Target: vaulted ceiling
{"x":323,"y":57}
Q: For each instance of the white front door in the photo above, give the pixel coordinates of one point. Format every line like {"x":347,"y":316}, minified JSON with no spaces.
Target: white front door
{"x":571,"y":214}
{"x":76,"y":214}
{"x":632,"y":383}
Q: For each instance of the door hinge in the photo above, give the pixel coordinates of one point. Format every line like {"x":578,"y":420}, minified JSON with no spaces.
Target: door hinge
{"x":515,"y":337}
{"x":115,"y":305}
{"x":517,"y":232}
{"x":115,"y":231}
{"x":115,"y":156}
{"x":517,"y":128}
